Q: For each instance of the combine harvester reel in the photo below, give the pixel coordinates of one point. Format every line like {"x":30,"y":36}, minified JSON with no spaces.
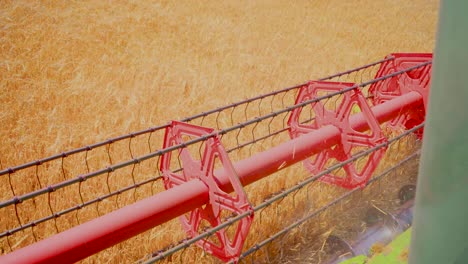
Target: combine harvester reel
{"x":329,"y":121}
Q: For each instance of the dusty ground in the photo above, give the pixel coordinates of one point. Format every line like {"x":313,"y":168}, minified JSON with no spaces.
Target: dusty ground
{"x":76,"y":72}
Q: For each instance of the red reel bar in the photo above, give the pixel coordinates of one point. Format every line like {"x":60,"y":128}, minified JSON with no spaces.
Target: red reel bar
{"x":202,"y":184}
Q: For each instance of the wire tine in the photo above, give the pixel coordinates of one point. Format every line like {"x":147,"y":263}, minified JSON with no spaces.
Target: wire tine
{"x":37,"y":176}
{"x":159,"y":175}
{"x":278,"y":205}
{"x":370,"y":71}
{"x":273,"y":136}
{"x":79,"y":191}
{"x":336,"y":102}
{"x":178,"y":158}
{"x":217,"y":120}
{"x":269,"y":125}
{"x":181,"y":261}
{"x":232,"y":115}
{"x":107,"y":182}
{"x":311,"y":112}
{"x":252,"y":258}
{"x":108,"y":153}
{"x":282,"y":98}
{"x":130,"y":146}
{"x":355,"y":77}
{"x":9,"y":243}
{"x":52,"y":210}
{"x":259,"y":107}
{"x":340,"y":202}
{"x":34,"y":234}
{"x":285,"y":122}
{"x":76,"y":216}
{"x":149,"y":141}
{"x":97,"y":206}
{"x":294,"y":197}
{"x":203,"y":118}
{"x":253,"y":130}
{"x":134,"y":182}
{"x":86,"y":160}
{"x":245,"y":111}
{"x":282,"y":241}
{"x":362,"y":74}
{"x":237,"y":136}
{"x":11,"y":185}
{"x":268,"y":255}
{"x":81,"y":199}
{"x":63,"y":168}
{"x":324,"y":103}
{"x":271,"y":103}
{"x":254,"y":140}
{"x":309,"y":203}
{"x":17,"y":215}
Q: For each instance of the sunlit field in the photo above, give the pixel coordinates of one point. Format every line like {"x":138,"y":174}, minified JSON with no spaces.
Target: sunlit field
{"x":73,"y":73}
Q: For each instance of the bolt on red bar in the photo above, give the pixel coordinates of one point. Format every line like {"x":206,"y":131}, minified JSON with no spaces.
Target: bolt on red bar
{"x":91,"y":237}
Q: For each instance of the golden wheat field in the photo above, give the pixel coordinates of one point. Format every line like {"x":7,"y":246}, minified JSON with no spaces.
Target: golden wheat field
{"x":73,"y":73}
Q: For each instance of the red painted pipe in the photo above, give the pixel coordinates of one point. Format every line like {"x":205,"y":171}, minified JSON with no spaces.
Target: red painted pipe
{"x":91,"y":237}
{"x":98,"y":234}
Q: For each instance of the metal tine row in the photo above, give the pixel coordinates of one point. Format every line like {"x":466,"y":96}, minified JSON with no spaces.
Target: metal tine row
{"x":293,"y":196}
{"x":54,"y":215}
